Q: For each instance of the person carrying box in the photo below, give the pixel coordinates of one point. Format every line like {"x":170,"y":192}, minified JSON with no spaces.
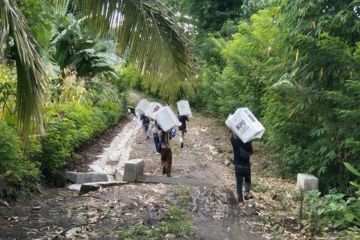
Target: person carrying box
{"x":156,"y":137}
{"x":242,"y":152}
{"x":145,"y":124}
{"x":165,"y":151}
{"x":182,"y":128}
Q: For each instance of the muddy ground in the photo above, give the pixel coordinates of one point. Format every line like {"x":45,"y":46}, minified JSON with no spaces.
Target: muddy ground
{"x":201,"y":169}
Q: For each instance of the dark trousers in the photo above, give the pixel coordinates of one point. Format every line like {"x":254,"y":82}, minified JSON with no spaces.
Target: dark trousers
{"x":157,"y":142}
{"x":145,"y":129}
{"x":242,"y":172}
{"x":166,"y":160}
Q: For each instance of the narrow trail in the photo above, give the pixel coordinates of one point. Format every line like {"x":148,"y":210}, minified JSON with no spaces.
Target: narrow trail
{"x":200,"y":167}
{"x":203,"y":161}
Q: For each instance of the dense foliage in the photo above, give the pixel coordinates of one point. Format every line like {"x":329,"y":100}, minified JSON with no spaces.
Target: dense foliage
{"x":295,"y":64}
{"x":16,"y":172}
{"x":70,"y":124}
{"x":84,"y":96}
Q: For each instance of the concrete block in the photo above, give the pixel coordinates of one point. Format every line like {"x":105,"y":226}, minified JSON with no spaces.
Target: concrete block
{"x":85,"y":177}
{"x":119,"y":174}
{"x":133,"y":170}
{"x":307,"y":182}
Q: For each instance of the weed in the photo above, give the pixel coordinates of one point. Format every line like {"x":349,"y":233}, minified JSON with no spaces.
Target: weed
{"x":185,"y":196}
{"x":177,"y":223}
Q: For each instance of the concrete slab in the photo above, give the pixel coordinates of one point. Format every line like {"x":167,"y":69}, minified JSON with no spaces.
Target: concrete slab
{"x":85,"y":177}
{"x":133,"y":170}
{"x":307,"y":182}
{"x":94,"y":186}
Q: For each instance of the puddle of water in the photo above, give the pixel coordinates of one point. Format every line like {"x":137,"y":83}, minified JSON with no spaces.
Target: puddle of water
{"x":115,"y":156}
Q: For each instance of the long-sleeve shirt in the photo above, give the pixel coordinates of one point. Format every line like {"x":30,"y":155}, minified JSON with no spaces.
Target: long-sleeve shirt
{"x":183,"y":120}
{"x":144,"y":119}
{"x":242,"y":151}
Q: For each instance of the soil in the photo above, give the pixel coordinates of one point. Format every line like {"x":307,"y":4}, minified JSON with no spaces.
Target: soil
{"x":204,"y":160}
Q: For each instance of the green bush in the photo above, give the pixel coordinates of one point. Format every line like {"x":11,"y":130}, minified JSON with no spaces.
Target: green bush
{"x":15,"y":171}
{"x":333,"y":211}
{"x":68,"y":125}
{"x":295,"y":64}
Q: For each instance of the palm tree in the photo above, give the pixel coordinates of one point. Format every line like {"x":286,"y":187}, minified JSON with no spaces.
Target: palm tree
{"x":146,"y":34}
{"x":30,"y":71}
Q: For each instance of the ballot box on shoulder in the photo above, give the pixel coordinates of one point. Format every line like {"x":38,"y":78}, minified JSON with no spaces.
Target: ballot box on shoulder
{"x":167,"y":119}
{"x":141,"y":106}
{"x":245,"y":125}
{"x":152,"y":108}
{"x":184,"y":108}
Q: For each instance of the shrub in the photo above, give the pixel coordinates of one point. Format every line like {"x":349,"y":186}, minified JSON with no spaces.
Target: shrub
{"x":15,"y":171}
{"x":68,"y":125}
{"x":333,"y":211}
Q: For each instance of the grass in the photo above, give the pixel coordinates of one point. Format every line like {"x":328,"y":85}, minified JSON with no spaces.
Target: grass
{"x":177,"y":222}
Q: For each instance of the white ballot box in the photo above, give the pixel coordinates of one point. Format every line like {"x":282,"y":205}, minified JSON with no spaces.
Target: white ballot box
{"x":166,"y":118}
{"x":141,"y":106}
{"x":184,"y":108}
{"x":245,"y":125}
{"x":152,"y":108}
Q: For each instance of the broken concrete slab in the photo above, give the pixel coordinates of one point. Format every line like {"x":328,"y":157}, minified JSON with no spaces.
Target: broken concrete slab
{"x":85,"y":177}
{"x":307,"y":182}
{"x":88,"y":188}
{"x":133,"y":170}
{"x":94,"y":186}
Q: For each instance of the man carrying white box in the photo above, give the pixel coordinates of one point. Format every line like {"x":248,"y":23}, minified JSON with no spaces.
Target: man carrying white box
{"x":244,"y":128}
{"x":184,"y":114}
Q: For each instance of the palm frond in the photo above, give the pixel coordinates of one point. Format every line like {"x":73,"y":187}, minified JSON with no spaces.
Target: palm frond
{"x":148,"y":37}
{"x":60,"y":6}
{"x":30,"y":71}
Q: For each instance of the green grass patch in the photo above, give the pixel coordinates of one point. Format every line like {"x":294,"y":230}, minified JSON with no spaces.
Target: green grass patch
{"x":178,"y":223}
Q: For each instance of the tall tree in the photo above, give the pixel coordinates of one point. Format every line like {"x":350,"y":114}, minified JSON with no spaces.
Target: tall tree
{"x":210,"y":15}
{"x":146,"y":34}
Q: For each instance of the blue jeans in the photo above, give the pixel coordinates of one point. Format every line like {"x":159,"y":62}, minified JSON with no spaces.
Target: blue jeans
{"x":145,"y":129}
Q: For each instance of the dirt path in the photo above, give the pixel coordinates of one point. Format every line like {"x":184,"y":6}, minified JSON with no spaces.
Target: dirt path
{"x":204,"y":160}
{"x":62,"y":214}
